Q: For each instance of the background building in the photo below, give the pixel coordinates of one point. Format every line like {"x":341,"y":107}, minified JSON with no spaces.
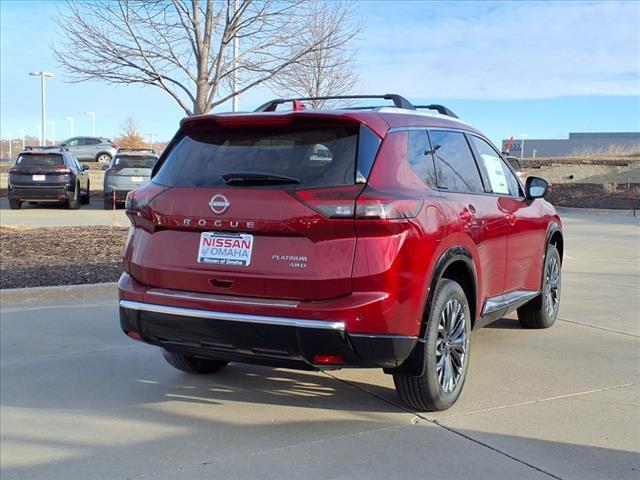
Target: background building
{"x":578,"y":144}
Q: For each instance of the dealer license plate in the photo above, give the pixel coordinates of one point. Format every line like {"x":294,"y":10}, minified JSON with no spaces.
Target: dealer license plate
{"x":137,"y":179}
{"x":38,"y":178}
{"x":225,"y":248}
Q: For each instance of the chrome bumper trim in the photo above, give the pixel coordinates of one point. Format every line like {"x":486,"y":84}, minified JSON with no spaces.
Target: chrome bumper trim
{"x":211,"y":297}
{"x":233,"y":317}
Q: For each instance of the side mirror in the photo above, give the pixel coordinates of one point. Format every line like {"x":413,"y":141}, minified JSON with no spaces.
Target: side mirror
{"x":536,"y":187}
{"x":85,"y":167}
{"x":63,"y":144}
{"x":105,"y":167}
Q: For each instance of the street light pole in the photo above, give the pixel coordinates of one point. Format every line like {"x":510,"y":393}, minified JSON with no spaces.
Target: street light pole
{"x":234,"y":77}
{"x":22,"y":132}
{"x":93,"y":122}
{"x":42,"y":75}
{"x":522,"y":136}
{"x":10,"y":141}
{"x":70,"y":120}
{"x":53,"y":131}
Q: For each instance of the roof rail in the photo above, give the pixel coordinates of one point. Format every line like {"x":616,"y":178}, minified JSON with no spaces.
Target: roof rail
{"x":398,"y":101}
{"x":442,"y":110}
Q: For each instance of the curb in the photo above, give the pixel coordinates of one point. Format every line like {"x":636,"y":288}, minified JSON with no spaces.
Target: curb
{"x":59,"y":294}
{"x":599,"y":211}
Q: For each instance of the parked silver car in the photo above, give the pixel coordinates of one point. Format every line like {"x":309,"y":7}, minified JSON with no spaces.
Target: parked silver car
{"x":90,"y":149}
{"x":129,"y":169}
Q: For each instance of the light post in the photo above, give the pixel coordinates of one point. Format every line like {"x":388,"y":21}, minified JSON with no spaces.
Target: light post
{"x":42,"y":75}
{"x":22,"y":132}
{"x":53,"y":131}
{"x":150,"y":135}
{"x":93,"y":122}
{"x":10,"y":140}
{"x":522,"y":136}
{"x":70,"y":120}
{"x":234,"y":76}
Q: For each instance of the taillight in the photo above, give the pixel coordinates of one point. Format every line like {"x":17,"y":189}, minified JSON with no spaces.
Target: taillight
{"x":353,"y":202}
{"x":63,"y":170}
{"x":373,"y":205}
{"x":332,"y":202}
{"x":137,"y":202}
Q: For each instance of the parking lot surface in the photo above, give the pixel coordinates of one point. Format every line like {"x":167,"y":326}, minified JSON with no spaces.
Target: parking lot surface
{"x":53,"y":215}
{"x":79,"y":400}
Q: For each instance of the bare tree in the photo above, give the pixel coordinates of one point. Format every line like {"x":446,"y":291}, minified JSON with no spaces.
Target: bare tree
{"x":186,"y":49}
{"x":324,"y":71}
{"x":130,"y":136}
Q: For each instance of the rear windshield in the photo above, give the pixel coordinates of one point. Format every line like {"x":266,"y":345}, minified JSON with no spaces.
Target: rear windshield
{"x":131,"y":161}
{"x":317,"y":157}
{"x":46,"y":160}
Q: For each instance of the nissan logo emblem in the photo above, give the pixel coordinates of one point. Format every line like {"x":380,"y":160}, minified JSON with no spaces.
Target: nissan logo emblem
{"x":219,"y":204}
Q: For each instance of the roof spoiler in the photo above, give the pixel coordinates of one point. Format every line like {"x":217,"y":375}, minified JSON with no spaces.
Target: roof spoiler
{"x":44,"y":147}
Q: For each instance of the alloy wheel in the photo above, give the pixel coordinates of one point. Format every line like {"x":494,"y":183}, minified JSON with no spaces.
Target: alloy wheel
{"x":552,"y":286}
{"x":451,"y":345}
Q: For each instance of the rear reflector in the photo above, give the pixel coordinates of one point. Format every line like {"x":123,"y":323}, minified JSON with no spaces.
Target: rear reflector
{"x":134,"y":335}
{"x":329,"y":359}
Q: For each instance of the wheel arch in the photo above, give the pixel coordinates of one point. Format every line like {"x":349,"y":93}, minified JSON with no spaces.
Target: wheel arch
{"x":103,"y":152}
{"x":457,"y":264}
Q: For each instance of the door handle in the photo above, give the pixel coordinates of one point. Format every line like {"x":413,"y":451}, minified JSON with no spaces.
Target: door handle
{"x":467,"y":215}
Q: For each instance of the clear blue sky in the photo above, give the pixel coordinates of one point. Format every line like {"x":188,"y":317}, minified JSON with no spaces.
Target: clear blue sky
{"x":542,"y":68}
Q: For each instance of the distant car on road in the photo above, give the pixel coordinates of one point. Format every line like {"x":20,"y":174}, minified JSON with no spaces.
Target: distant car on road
{"x":129,"y":169}
{"x":48,"y":175}
{"x":90,"y":149}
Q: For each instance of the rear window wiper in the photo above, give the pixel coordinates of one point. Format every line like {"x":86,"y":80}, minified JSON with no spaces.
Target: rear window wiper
{"x":257,"y":178}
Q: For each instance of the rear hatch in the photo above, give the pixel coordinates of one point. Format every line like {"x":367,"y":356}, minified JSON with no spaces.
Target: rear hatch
{"x":39,"y":169}
{"x":131,"y":169}
{"x":260,"y":210}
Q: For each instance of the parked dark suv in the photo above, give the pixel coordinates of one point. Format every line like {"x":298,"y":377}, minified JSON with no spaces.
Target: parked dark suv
{"x":364,"y":237}
{"x":44,"y":175}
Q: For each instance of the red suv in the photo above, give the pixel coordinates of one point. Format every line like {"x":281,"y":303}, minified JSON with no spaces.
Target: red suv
{"x":362,"y":237}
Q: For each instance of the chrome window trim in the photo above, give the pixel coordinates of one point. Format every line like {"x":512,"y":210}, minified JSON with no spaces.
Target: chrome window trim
{"x":233,"y":317}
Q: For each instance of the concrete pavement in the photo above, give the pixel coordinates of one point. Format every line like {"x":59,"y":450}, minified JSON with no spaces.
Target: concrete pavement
{"x":52,"y":215}
{"x":80,"y":400}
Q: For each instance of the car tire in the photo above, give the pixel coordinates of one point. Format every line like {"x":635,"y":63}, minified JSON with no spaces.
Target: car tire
{"x":542,"y":311}
{"x":103,"y":158}
{"x":74,"y":203}
{"x":14,"y":204}
{"x":447,"y":348}
{"x":191,"y":364}
{"x":85,"y":199}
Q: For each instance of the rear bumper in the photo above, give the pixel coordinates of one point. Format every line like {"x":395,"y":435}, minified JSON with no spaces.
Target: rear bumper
{"x":262,"y":339}
{"x":41,"y":193}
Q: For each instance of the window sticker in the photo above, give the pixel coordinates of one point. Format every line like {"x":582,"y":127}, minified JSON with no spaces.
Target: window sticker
{"x":497,"y":178}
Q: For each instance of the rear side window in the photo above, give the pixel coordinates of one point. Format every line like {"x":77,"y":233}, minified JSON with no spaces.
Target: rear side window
{"x":91,"y":141}
{"x":316,"y":156}
{"x":456,"y":169}
{"x":47,"y":160}
{"x":419,"y":157}
{"x":131,"y":161}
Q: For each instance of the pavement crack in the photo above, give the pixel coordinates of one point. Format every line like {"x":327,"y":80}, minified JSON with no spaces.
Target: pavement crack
{"x":449,"y":429}
{"x":533,"y":402}
{"x":611,"y":330}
